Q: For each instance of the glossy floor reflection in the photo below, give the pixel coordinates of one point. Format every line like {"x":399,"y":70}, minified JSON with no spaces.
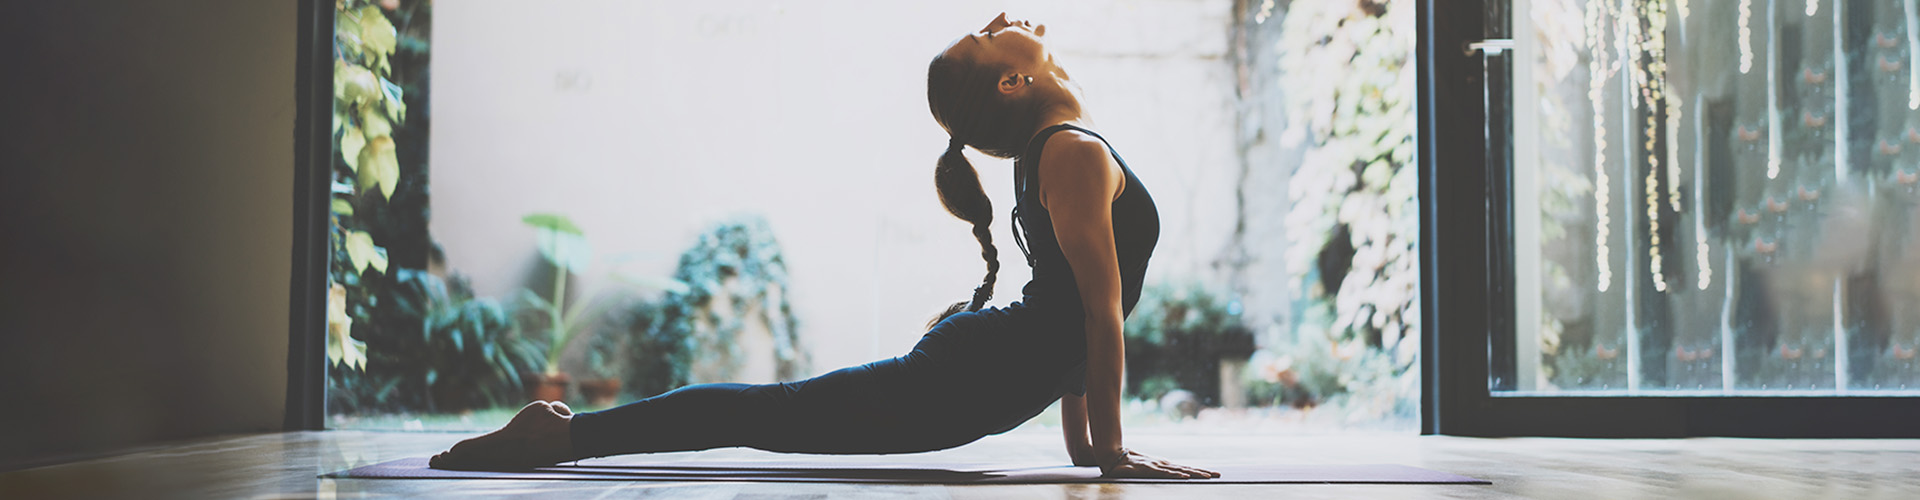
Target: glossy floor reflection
{"x":287,"y":465}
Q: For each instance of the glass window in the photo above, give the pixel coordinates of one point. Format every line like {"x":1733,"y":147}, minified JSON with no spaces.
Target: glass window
{"x":1715,"y":198}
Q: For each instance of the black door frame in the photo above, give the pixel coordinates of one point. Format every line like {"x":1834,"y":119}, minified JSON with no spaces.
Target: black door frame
{"x":1466,"y":271}
{"x":312,"y":162}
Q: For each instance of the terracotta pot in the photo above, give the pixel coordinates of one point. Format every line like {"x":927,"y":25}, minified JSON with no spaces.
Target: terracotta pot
{"x":601,"y":392}
{"x":545,"y":387}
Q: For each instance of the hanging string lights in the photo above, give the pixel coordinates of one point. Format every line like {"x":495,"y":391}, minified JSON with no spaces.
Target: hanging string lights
{"x":1746,"y":36}
{"x":1647,"y":26}
{"x":1600,"y":70}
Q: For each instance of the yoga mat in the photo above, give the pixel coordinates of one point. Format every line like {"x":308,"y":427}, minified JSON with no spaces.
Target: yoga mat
{"x":799,"y":471}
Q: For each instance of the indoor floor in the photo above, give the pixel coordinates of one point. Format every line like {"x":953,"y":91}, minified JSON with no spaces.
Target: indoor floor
{"x":286,"y":465}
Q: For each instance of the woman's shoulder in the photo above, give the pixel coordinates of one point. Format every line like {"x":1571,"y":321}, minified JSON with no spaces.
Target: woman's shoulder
{"x":1075,"y":159}
{"x":1074,"y":141}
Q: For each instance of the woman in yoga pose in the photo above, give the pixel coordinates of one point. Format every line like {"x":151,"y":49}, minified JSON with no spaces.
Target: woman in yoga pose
{"x":1086,"y":226}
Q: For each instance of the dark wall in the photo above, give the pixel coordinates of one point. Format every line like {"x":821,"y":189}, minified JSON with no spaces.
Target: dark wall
{"x":146,"y":173}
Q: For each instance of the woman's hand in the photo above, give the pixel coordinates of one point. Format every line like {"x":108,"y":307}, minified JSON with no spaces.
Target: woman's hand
{"x":1073,"y":426}
{"x":1137,"y":465}
{"x":1082,"y":457}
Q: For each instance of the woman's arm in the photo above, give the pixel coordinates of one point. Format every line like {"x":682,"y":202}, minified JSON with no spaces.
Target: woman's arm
{"x":1078,"y":188}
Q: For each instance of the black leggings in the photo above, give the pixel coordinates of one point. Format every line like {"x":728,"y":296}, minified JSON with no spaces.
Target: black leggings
{"x":952,"y":389}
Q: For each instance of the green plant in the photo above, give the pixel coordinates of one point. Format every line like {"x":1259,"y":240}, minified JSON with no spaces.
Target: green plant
{"x":738,"y":261}
{"x":659,"y":348}
{"x":366,"y":107}
{"x":366,"y":104}
{"x":565,"y":246}
{"x":1175,"y":339}
{"x":434,"y":347}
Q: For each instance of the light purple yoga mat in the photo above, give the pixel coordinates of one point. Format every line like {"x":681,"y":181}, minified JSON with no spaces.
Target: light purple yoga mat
{"x":796,"y":471}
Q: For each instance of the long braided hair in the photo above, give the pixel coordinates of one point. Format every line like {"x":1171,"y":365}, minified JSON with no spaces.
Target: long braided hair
{"x":965,"y":100}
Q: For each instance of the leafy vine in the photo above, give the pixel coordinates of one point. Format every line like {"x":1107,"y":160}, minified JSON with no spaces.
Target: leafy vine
{"x":366,"y":106}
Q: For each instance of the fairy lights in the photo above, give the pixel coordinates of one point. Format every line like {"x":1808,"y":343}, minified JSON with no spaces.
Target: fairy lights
{"x":1673,"y":147}
{"x":1813,"y":6}
{"x":1601,"y":71}
{"x":1650,"y":77}
{"x":1653,"y":227}
{"x":1663,"y":88}
{"x":1631,"y":46}
{"x":1746,"y":35}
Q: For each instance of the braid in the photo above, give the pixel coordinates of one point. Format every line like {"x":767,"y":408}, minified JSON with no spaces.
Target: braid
{"x":984,"y":233}
{"x":959,"y":187}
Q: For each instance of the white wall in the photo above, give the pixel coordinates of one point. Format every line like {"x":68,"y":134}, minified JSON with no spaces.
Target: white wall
{"x":646,"y":121}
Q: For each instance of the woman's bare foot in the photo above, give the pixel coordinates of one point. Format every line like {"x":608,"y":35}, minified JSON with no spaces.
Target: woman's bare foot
{"x":538,"y":436}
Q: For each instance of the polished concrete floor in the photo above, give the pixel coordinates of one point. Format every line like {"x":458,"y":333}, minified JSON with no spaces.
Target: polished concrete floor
{"x":286,"y":466}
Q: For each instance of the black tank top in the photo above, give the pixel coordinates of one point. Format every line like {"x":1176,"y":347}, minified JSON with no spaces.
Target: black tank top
{"x":1136,"y":228}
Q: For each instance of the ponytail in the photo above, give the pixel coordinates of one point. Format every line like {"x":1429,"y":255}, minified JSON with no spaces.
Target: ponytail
{"x":964,"y":97}
{"x":959,"y":187}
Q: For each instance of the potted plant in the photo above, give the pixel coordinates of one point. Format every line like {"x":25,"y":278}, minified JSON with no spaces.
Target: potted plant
{"x":564,"y":246}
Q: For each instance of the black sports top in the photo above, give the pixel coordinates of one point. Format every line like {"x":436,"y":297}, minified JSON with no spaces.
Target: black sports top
{"x":1136,"y":228}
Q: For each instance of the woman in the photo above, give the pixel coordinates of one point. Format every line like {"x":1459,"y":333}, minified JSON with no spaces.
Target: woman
{"x":1089,"y":228}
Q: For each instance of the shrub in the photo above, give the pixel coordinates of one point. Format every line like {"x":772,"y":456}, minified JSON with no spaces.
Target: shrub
{"x":659,"y":349}
{"x":432,"y":347}
{"x":1312,"y":367}
{"x":1175,"y":339}
{"x":737,"y":261}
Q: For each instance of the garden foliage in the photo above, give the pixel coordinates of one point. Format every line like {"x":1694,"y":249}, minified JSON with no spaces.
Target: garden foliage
{"x":1348,"y":68}
{"x":366,"y":107}
{"x":733,"y":275}
{"x":1175,"y":339}
{"x":399,"y":338}
{"x":434,"y":347}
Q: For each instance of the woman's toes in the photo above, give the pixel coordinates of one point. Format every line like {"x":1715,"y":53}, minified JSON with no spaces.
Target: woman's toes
{"x":443,"y":460}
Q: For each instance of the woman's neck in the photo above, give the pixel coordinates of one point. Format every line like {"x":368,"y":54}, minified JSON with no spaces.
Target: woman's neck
{"x":1052,"y":119}
{"x":1060,"y":99}
{"x":1062,"y":106}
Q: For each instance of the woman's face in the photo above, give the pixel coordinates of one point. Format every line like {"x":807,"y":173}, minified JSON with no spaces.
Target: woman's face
{"x":1012,"y":43}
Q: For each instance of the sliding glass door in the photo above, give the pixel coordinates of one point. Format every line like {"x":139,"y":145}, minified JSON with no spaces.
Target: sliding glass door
{"x":1695,"y":218}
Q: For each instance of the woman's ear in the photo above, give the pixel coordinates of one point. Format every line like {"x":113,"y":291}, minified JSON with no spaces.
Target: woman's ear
{"x":1011,"y":82}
